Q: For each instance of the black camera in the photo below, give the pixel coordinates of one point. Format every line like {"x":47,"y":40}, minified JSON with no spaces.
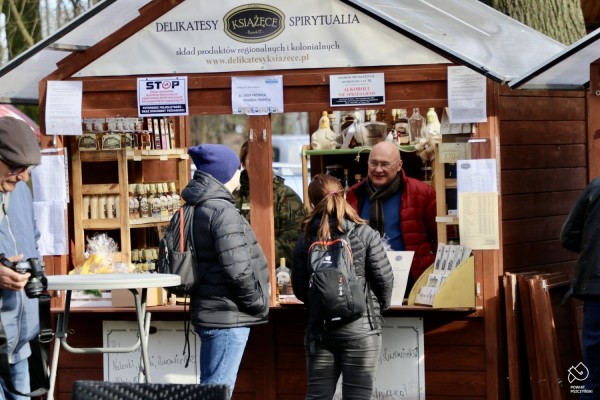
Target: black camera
{"x":37,"y":282}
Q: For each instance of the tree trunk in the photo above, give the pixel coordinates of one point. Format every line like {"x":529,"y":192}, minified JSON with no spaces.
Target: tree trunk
{"x":561,"y":20}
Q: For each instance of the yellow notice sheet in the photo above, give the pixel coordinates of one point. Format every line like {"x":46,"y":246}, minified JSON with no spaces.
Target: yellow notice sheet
{"x":478,"y":216}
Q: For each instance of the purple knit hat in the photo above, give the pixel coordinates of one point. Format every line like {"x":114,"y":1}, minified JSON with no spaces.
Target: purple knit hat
{"x":217,"y":160}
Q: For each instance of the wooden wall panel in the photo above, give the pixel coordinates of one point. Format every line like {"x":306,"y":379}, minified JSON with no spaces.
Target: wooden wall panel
{"x":535,"y":255}
{"x":542,"y":180}
{"x":550,"y":156}
{"x":542,"y":109}
{"x":543,"y":141}
{"x":532,"y":229}
{"x":532,"y":205}
{"x":542,"y":132}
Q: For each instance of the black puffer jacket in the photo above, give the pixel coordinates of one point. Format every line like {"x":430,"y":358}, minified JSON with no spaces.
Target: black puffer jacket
{"x":581,"y":234}
{"x":234,"y":290}
{"x":370,"y":261}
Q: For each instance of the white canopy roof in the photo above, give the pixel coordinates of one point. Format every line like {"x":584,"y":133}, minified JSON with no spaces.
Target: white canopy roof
{"x":465,"y":31}
{"x":568,"y":69}
{"x":468,"y":32}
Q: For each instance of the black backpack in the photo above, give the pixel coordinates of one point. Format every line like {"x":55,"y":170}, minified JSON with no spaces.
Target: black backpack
{"x":336,"y":295}
{"x":176,"y":252}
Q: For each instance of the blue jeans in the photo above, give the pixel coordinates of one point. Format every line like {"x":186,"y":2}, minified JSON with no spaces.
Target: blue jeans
{"x":355,"y":359}
{"x":221,"y":352}
{"x":20,"y":377}
{"x":591,"y":346}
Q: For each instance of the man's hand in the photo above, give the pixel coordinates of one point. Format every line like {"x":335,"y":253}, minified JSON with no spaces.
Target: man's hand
{"x":12,"y":280}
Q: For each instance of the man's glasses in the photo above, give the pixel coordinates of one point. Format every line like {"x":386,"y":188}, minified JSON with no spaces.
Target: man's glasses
{"x":386,"y":166}
{"x":14,"y":171}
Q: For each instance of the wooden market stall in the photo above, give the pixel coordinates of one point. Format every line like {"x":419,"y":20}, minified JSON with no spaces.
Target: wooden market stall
{"x":464,"y":355}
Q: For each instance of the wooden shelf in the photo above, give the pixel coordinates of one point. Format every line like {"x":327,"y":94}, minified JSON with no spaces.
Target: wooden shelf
{"x":354,"y":150}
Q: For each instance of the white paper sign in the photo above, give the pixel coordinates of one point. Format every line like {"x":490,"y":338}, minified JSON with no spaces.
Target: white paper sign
{"x":356,"y":89}
{"x":162,"y":96}
{"x":63,"y":108}
{"x":165,"y":353}
{"x":476,"y":176}
{"x":466,"y":95}
{"x":400,"y":261}
{"x":401,"y":366}
{"x":257,"y":95}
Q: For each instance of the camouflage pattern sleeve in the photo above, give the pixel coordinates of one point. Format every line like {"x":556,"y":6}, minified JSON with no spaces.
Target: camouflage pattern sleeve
{"x":288,"y":211}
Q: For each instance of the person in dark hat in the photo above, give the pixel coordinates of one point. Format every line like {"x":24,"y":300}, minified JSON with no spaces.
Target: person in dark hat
{"x":19,"y":153}
{"x":234,"y":292}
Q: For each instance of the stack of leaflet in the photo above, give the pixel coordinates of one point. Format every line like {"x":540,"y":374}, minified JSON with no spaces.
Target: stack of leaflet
{"x":448,"y":257}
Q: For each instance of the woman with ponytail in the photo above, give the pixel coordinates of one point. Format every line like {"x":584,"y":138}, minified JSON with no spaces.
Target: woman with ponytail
{"x":351,"y":349}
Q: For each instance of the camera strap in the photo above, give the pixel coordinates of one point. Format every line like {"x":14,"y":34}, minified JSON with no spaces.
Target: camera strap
{"x":37,"y":361}
{"x":4,"y":196}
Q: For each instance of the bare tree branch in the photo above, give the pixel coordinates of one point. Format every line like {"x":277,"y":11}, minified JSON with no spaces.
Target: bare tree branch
{"x":16,"y":14}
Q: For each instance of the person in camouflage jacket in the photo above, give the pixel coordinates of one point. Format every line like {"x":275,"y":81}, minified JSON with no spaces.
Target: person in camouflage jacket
{"x":288,"y":210}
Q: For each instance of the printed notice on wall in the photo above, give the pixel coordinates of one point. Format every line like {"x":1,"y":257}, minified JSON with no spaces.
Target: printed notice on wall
{"x":165,"y":353}
{"x":401,"y":365}
{"x":257,"y":95}
{"x":478,"y":220}
{"x":162,"y":96}
{"x":63,"y":108}
{"x":466,"y":96}
{"x":356,"y":89}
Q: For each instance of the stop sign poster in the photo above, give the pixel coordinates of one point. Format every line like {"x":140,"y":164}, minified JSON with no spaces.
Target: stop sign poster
{"x":162,"y":96}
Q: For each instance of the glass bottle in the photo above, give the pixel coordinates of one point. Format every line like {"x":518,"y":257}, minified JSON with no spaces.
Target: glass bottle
{"x":284,"y":278}
{"x":175,"y":196}
{"x":401,"y":127}
{"x":154,"y":201}
{"x":346,"y":181}
{"x":164,"y":202}
{"x":102,"y":206}
{"x":110,"y":207}
{"x":86,"y":207}
{"x":417,"y":126}
{"x":134,"y":203}
{"x":135,"y":259}
{"x":94,"y":213}
{"x":143,"y":200}
{"x":169,"y":199}
{"x":145,"y":140}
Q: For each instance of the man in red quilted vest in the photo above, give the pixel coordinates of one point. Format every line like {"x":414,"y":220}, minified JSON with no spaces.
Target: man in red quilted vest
{"x":400,"y":208}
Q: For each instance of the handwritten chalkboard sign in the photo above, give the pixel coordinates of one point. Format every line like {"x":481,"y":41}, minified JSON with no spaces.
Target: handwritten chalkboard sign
{"x":401,"y":368}
{"x":165,"y":353}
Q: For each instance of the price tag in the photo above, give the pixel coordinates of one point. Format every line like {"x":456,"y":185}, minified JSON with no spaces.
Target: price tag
{"x":450,"y":153}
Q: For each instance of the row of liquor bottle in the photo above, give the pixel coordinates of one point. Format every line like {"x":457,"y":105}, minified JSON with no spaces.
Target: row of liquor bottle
{"x":144,"y":260}
{"x":349,"y":131}
{"x":151,"y":133}
{"x":145,"y":200}
{"x":153,"y":200}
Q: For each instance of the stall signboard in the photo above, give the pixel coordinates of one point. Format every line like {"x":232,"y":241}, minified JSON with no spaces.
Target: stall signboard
{"x":224,"y":36}
{"x":162,"y":96}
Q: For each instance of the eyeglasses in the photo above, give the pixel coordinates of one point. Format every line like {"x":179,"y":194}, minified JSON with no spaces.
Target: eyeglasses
{"x":14,"y":171}
{"x":386,"y":166}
